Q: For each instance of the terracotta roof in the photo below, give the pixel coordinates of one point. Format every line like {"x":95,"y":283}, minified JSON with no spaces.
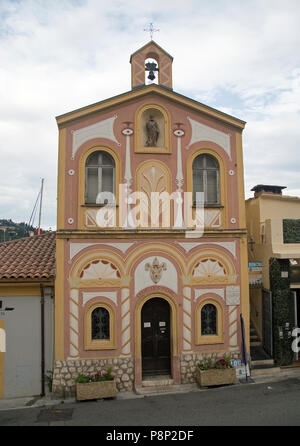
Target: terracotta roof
{"x":28,"y":258}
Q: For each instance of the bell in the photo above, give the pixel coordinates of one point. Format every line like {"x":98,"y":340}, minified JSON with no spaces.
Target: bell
{"x":151,"y":67}
{"x":151,"y":76}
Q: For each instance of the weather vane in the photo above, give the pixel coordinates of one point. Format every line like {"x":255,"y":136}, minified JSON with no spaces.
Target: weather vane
{"x":151,"y":30}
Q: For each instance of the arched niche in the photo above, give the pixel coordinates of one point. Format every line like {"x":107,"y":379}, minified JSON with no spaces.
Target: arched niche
{"x":152,"y":124}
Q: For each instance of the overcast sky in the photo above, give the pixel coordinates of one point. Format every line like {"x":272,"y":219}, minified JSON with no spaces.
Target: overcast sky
{"x":239,"y":56}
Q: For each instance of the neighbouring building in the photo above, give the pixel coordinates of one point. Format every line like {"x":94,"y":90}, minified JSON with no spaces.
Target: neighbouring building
{"x":27,"y":274}
{"x":146,"y":294}
{"x":273,"y":222}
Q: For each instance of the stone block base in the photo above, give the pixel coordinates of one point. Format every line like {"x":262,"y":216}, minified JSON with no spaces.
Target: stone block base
{"x":65,"y":373}
{"x":189,"y":362}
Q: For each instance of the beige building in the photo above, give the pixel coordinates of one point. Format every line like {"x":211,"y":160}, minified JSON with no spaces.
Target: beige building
{"x":273,"y":223}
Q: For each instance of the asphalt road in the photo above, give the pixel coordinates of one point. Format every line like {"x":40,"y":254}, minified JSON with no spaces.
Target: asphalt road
{"x":267,"y":404}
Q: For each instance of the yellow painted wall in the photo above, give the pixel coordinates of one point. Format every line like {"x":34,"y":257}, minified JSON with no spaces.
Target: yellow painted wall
{"x":245,"y":307}
{"x":59,"y":302}
{"x":279,"y":207}
{"x":61,"y":178}
{"x":240,"y":173}
{"x":20,"y":290}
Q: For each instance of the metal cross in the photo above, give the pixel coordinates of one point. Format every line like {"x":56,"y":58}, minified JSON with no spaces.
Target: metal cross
{"x":151,"y":30}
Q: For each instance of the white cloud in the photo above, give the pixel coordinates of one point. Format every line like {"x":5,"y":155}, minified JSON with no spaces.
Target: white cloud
{"x":239,"y":56}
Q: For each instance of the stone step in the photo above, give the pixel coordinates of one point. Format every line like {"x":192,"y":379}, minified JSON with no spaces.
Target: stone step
{"x":262,"y":362}
{"x":157,"y":382}
{"x":265,"y":371}
{"x":164,"y":389}
{"x":255,"y":344}
{"x":254,"y":338}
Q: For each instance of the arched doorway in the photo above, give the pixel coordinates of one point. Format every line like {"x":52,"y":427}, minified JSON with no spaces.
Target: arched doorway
{"x":155,"y":337}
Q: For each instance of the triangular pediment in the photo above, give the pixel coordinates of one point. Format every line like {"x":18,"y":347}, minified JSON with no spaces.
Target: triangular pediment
{"x":149,"y":46}
{"x":138,"y":93}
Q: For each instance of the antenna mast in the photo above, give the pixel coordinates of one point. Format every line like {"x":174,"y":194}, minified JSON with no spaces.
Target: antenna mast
{"x":40,"y":213}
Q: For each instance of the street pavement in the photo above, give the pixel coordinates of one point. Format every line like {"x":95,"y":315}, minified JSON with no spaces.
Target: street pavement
{"x":266,"y":402}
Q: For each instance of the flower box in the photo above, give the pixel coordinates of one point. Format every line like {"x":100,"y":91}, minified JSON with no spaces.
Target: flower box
{"x":215,"y":377}
{"x":96,"y":390}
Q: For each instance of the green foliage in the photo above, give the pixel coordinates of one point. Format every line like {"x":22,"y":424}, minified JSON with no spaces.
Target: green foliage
{"x":282,"y":312}
{"x":103,"y":375}
{"x":221,"y":363}
{"x":12,"y":231}
{"x":49,"y":379}
{"x":205,"y":365}
{"x":291,"y":230}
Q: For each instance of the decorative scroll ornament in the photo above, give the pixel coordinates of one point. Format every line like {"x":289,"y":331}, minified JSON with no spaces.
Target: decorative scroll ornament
{"x":156,"y":270}
{"x":101,"y":270}
{"x":209,"y":268}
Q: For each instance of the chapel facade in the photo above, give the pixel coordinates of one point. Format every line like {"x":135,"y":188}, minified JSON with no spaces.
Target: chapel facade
{"x":139,"y":286}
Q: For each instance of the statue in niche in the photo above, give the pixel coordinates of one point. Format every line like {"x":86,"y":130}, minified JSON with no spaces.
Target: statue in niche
{"x":152,"y":132}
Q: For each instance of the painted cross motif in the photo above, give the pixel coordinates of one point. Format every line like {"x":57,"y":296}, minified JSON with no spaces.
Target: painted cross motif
{"x":156,"y":269}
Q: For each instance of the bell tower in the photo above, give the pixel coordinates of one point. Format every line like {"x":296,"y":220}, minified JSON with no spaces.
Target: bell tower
{"x":151,"y":63}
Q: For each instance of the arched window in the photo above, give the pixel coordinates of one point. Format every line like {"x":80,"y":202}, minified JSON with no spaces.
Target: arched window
{"x":206,"y":175}
{"x":99,"y":175}
{"x":100,"y":323}
{"x":208,"y":320}
{"x":100,"y":327}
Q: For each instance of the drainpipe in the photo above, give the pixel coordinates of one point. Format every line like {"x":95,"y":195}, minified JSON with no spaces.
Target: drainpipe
{"x":42,"y":340}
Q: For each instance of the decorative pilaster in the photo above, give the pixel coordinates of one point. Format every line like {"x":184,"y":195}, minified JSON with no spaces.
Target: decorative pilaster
{"x":128,"y":177}
{"x":187,"y":319}
{"x":74,"y":324}
{"x":233,"y":327}
{"x":125,"y":319}
{"x":179,"y":180}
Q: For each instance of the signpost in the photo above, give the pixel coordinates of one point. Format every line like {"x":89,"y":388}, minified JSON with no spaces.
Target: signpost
{"x":255,"y":273}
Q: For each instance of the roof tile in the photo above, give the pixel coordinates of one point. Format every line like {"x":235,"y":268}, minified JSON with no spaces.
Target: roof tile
{"x":30,"y":257}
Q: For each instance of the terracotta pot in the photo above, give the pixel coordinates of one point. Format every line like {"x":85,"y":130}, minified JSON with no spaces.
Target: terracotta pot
{"x":96,"y":390}
{"x":215,"y":377}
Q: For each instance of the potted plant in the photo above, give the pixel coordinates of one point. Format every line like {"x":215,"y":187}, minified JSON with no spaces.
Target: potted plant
{"x":217,"y":374}
{"x":99,"y":385}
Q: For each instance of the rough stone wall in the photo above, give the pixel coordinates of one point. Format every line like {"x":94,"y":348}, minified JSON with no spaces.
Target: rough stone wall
{"x":188,"y":363}
{"x":65,"y":373}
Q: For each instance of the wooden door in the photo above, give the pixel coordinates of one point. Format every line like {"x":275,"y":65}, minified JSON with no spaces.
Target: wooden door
{"x":156,"y":355}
